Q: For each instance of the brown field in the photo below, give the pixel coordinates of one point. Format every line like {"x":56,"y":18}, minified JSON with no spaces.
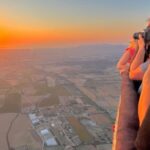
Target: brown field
{"x":4,"y":84}
{"x":61,"y":91}
{"x":2,"y":101}
{"x":51,"y":100}
{"x":80,"y":130}
{"x":4,"y":125}
{"x":86,"y":147}
{"x":100,"y":119}
{"x":12,"y":104}
{"x":57,"y":90}
{"x":21,"y":134}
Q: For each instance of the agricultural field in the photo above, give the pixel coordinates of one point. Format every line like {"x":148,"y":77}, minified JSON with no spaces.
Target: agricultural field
{"x":80,"y":130}
{"x":53,"y":99}
{"x":50,"y":101}
{"x":12,"y":103}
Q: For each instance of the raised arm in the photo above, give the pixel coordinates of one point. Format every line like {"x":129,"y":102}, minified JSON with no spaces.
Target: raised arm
{"x":136,"y":72}
{"x":123,"y":60}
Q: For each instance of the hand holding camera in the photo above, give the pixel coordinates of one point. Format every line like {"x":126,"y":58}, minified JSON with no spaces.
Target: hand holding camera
{"x":141,"y":42}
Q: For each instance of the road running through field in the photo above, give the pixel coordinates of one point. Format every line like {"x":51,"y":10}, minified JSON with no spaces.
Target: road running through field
{"x":8,"y":131}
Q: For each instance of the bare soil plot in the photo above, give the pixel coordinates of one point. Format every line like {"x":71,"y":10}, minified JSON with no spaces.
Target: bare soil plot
{"x":21,"y":134}
{"x":80,"y":130}
{"x":5,"y":120}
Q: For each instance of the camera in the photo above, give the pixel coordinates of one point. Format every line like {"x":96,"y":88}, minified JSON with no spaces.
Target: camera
{"x":145,"y":35}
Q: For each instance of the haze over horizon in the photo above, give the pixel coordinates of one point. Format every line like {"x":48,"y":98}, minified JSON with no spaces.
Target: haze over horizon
{"x":59,"y":84}
{"x":38,"y":23}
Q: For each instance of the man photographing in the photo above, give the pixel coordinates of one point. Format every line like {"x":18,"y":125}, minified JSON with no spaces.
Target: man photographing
{"x":132,"y":129}
{"x":138,"y":68}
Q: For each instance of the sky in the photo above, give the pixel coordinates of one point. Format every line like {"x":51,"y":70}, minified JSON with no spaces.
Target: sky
{"x":27,"y":23}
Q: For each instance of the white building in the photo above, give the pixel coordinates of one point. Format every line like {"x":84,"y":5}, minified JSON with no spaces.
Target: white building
{"x":48,"y":138}
{"x":34,"y":119}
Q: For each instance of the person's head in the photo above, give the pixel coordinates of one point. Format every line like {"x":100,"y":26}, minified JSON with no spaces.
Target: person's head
{"x":148,"y":49}
{"x":146,"y":46}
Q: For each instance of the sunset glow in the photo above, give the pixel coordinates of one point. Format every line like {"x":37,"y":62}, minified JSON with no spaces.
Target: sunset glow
{"x":62,"y":22}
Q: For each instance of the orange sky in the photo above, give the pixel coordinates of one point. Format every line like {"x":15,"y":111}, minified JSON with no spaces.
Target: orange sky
{"x":28,"y":23}
{"x":16,"y":38}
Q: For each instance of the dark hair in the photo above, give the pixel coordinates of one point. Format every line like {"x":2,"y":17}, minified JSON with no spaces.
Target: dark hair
{"x":147,"y":52}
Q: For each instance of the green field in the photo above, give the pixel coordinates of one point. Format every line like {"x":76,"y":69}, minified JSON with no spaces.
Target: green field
{"x":12,"y":104}
{"x":55,"y":92}
{"x":42,"y":89}
{"x":51,"y":100}
{"x":80,"y":130}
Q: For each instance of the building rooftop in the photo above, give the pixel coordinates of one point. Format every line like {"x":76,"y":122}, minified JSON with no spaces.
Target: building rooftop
{"x":44,"y":132}
{"x":48,"y":138}
{"x":51,"y":142}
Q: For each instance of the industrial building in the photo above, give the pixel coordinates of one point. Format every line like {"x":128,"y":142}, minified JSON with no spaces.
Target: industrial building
{"x":47,"y":138}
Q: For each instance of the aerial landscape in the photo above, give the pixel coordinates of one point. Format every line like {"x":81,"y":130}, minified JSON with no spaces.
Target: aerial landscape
{"x":59,"y":85}
{"x":54,"y":100}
